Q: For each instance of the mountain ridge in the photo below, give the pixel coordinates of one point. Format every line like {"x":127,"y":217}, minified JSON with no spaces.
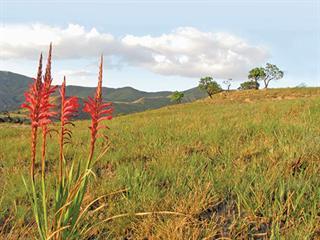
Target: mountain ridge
{"x":125,"y":99}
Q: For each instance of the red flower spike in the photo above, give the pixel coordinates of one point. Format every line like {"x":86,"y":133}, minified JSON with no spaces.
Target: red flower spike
{"x":33,"y":97}
{"x":69,"y":107}
{"x":98,"y":111}
{"x":37,"y":102}
{"x":33,"y":104}
{"x":47,"y":76}
{"x":48,"y":89}
{"x":46,"y":107}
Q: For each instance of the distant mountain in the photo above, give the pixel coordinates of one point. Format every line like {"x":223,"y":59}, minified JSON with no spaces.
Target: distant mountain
{"x":126,"y":100}
{"x":12,"y":87}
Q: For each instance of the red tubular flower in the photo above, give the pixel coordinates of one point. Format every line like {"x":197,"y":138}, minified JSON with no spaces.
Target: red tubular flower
{"x":32,"y":104}
{"x":47,"y":90}
{"x":40,"y":109}
{"x":69,"y":107}
{"x":98,"y":111}
{"x":46,"y":107}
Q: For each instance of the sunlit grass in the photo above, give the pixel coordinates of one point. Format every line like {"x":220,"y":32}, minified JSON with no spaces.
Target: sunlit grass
{"x":236,"y":168}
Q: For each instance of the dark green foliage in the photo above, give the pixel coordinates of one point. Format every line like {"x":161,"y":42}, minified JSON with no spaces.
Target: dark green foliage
{"x":249,"y":85}
{"x":210,"y":86}
{"x":267,"y":74}
{"x":256,"y":75}
{"x":177,"y":97}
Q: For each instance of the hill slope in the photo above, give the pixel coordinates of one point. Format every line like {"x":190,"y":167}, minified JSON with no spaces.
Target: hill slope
{"x":237,"y":169}
{"x":12,"y":87}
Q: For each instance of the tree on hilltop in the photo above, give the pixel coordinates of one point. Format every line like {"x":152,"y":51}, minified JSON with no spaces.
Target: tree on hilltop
{"x":210,"y":86}
{"x":177,"y":96}
{"x":272,"y":72}
{"x":266,"y":74}
{"x":227,"y":82}
{"x":255,"y":75}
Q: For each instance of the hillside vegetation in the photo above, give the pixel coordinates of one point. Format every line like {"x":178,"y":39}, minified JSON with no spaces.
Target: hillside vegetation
{"x":243,"y":165}
{"x":125,"y":99}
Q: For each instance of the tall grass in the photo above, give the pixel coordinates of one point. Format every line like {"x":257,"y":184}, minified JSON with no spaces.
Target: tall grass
{"x":238,"y":169}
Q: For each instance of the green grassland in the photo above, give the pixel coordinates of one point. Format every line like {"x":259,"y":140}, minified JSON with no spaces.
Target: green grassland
{"x":243,"y":165}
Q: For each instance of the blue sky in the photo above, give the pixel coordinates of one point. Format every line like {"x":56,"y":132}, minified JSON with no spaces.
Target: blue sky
{"x":163,"y":45}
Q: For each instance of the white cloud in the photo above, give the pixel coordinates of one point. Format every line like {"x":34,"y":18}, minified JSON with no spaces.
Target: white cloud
{"x":76,"y":73}
{"x":192,"y":53}
{"x":26,"y":41}
{"x":186,"y":51}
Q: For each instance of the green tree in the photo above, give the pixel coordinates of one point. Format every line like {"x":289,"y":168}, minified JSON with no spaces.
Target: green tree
{"x":177,"y":97}
{"x":210,"y":86}
{"x":272,"y":72}
{"x":257,"y":74}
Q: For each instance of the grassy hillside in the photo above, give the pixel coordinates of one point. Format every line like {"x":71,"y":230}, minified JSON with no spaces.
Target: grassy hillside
{"x":240,"y":166}
{"x":13,"y":86}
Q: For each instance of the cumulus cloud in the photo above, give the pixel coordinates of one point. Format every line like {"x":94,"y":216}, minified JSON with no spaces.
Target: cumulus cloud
{"x":25,"y":41}
{"x":186,"y":51}
{"x":190,"y":52}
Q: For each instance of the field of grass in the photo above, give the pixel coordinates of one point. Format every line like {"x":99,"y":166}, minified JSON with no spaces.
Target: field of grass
{"x":244,"y":165}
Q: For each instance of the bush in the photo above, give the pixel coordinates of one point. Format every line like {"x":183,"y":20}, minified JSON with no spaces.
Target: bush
{"x":177,"y":97}
{"x":249,"y":85}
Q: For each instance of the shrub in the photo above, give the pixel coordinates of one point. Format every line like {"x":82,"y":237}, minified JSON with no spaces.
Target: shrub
{"x":177,"y":97}
{"x":249,"y":85}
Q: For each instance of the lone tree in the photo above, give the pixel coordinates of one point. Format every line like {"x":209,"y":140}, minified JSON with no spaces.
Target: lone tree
{"x":227,"y":82}
{"x":272,"y":72}
{"x":210,"y":86}
{"x":257,"y":74}
{"x":177,"y":96}
{"x":266,"y":74}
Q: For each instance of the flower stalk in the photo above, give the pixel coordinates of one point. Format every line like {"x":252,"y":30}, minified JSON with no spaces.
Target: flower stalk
{"x":69,"y":107}
{"x":98,"y":111}
{"x":65,"y":219}
{"x":32,"y":104}
{"x":47,"y":90}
